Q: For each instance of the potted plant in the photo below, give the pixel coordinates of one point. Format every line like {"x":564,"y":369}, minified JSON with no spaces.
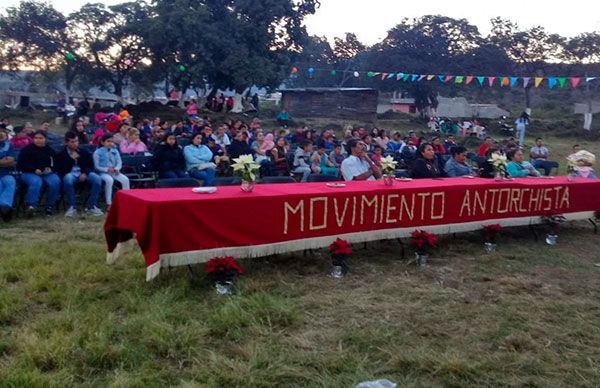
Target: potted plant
{"x":422,"y":241}
{"x":388,"y":166}
{"x":339,"y":249}
{"x":221,"y":271}
{"x":489,"y":234}
{"x":498,"y":161}
{"x":247,"y":169}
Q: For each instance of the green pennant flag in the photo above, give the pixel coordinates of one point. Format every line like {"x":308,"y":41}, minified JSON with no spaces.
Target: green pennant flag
{"x":458,"y":79}
{"x":561,"y":81}
{"x":406,"y":77}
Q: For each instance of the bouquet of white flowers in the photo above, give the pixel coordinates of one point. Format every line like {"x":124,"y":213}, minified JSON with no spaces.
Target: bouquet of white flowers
{"x":246,"y":167}
{"x":388,"y":165}
{"x":498,"y":161}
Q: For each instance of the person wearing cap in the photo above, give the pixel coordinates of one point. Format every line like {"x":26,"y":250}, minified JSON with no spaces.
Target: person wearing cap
{"x":358,"y":166}
{"x":8,"y":183}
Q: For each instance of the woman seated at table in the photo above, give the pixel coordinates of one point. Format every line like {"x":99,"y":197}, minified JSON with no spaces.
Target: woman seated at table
{"x":169,"y":159}
{"x":36,"y":162}
{"x":426,"y":165}
{"x":198,"y":160}
{"x":517,"y":167}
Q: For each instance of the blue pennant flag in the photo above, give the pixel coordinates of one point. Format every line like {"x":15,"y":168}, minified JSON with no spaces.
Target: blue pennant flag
{"x":513,"y":81}
{"x":551,"y":82}
{"x":480,"y":79}
{"x":441,"y":78}
{"x":414,"y":77}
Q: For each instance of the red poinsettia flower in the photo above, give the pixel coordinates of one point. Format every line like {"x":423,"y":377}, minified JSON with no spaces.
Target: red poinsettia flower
{"x":340,"y":247}
{"x":223,"y":264}
{"x":421,"y":238}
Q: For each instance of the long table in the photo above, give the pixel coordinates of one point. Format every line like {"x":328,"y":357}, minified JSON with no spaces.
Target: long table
{"x":179,"y":227}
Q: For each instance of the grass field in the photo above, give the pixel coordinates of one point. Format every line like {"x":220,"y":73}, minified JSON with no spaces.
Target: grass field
{"x":524,"y":316}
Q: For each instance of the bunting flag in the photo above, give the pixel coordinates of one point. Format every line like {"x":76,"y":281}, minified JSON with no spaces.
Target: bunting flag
{"x":513,"y":81}
{"x":561,"y":81}
{"x":503,"y":81}
{"x":430,"y":77}
{"x":421,"y":77}
{"x":575,"y":81}
{"x":537,"y":81}
{"x":405,"y":78}
{"x":391,"y":75}
{"x":414,"y":77}
{"x":491,"y":81}
{"x":551,"y":82}
{"x":588,"y":79}
{"x":399,"y":76}
{"x":469,"y":79}
{"x":526,"y":81}
{"x":480,"y":79}
{"x":448,"y":78}
{"x":441,"y":78}
{"x":384,"y":76}
{"x":458,"y":79}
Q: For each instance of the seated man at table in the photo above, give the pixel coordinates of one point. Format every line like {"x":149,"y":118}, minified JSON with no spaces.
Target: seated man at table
{"x":517,"y":167}
{"x":539,"y":157}
{"x":358,"y":166}
{"x":456,"y":166}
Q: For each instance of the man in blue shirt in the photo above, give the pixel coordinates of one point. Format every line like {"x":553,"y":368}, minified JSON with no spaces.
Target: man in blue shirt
{"x":7,"y":182}
{"x":457,"y":166}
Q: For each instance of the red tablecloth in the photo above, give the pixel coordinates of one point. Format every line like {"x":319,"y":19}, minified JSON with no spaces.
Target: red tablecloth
{"x":179,"y":227}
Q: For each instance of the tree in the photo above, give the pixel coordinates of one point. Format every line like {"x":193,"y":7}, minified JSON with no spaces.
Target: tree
{"x":531,"y":50}
{"x":109,"y":40}
{"x":34,"y":37}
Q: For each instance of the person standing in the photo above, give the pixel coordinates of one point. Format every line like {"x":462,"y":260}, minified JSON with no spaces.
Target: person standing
{"x":521,"y":123}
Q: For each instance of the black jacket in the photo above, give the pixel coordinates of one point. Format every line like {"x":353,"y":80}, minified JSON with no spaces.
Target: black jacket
{"x":33,"y":158}
{"x":64,"y":162}
{"x":237,"y":148}
{"x":169,"y":158}
{"x":427,"y":169}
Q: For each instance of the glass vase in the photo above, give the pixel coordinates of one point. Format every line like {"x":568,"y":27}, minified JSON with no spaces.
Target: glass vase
{"x":421,"y":259}
{"x":499,"y":176}
{"x":489,"y":247}
{"x":551,"y":239}
{"x":337,"y":272}
{"x":247,"y":186}
{"x":224,"y":288}
{"x":388,"y":179}
{"x":570,"y":177}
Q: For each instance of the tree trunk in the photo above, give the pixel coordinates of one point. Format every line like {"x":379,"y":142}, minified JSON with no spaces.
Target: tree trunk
{"x":118,"y":86}
{"x":527,"y":99}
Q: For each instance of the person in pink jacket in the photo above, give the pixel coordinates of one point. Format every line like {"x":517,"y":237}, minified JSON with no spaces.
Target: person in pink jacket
{"x":133,"y":144}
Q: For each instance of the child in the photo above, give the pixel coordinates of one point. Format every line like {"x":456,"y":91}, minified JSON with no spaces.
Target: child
{"x":107,"y":163}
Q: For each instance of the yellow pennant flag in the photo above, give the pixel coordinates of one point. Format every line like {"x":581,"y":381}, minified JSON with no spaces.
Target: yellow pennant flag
{"x":538,"y":81}
{"x":430,"y":77}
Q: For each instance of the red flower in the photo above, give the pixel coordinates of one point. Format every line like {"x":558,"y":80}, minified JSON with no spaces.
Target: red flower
{"x":422,"y":239}
{"x":223,"y":264}
{"x":340,"y":247}
{"x":490,"y":231}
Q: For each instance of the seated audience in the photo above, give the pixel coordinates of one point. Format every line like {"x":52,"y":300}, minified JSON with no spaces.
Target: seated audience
{"x":456,"y":165}
{"x":426,"y":165}
{"x":336,"y":157}
{"x":169,"y":159}
{"x":278,"y":156}
{"x":302,"y":156}
{"x":78,"y":128}
{"x":108,"y":164}
{"x":357,"y":166}
{"x":198,"y":161}
{"x":539,"y":157}
{"x":320,"y":163}
{"x":133,"y":144}
{"x":239,"y":146}
{"x":21,"y":138}
{"x":8,"y":183}
{"x":517,"y":167}
{"x":75,"y":165}
{"x":36,"y":163}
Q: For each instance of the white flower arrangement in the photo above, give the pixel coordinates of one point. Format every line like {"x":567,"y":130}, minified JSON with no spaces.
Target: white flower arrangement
{"x":498,"y":161}
{"x":246,"y":167}
{"x":388,"y":165}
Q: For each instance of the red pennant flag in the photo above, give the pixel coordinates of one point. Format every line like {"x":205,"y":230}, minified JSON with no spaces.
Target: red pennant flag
{"x":383,"y":75}
{"x":503,"y":81}
{"x":448,"y":78}
{"x":491,"y":81}
{"x":575,"y":81}
{"x":469,"y":79}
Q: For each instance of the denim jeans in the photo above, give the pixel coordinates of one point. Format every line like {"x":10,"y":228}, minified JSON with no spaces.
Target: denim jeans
{"x":305,"y":171}
{"x":172,"y":174}
{"x":546,"y":165}
{"x":34,"y":187}
{"x":8,"y":186}
{"x":207,"y":175}
{"x":109,"y":181}
{"x":92,"y":179}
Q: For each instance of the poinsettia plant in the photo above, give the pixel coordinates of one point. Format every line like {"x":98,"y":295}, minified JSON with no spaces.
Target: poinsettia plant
{"x":246,"y":167}
{"x":422,"y":240}
{"x":339,"y":250}
{"x":491,"y":231}
{"x":223,"y":269}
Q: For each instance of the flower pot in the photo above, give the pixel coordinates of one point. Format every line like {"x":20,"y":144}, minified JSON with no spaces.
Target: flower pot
{"x":551,"y":239}
{"x":247,"y":186}
{"x":421,"y":259}
{"x":570,"y":176}
{"x":489,"y":247}
{"x":388,"y":180}
{"x":224,"y":288}
{"x":337,"y":271}
{"x":499,"y":176}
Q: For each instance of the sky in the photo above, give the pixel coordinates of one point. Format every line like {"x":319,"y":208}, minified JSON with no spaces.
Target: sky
{"x":370,"y":20}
